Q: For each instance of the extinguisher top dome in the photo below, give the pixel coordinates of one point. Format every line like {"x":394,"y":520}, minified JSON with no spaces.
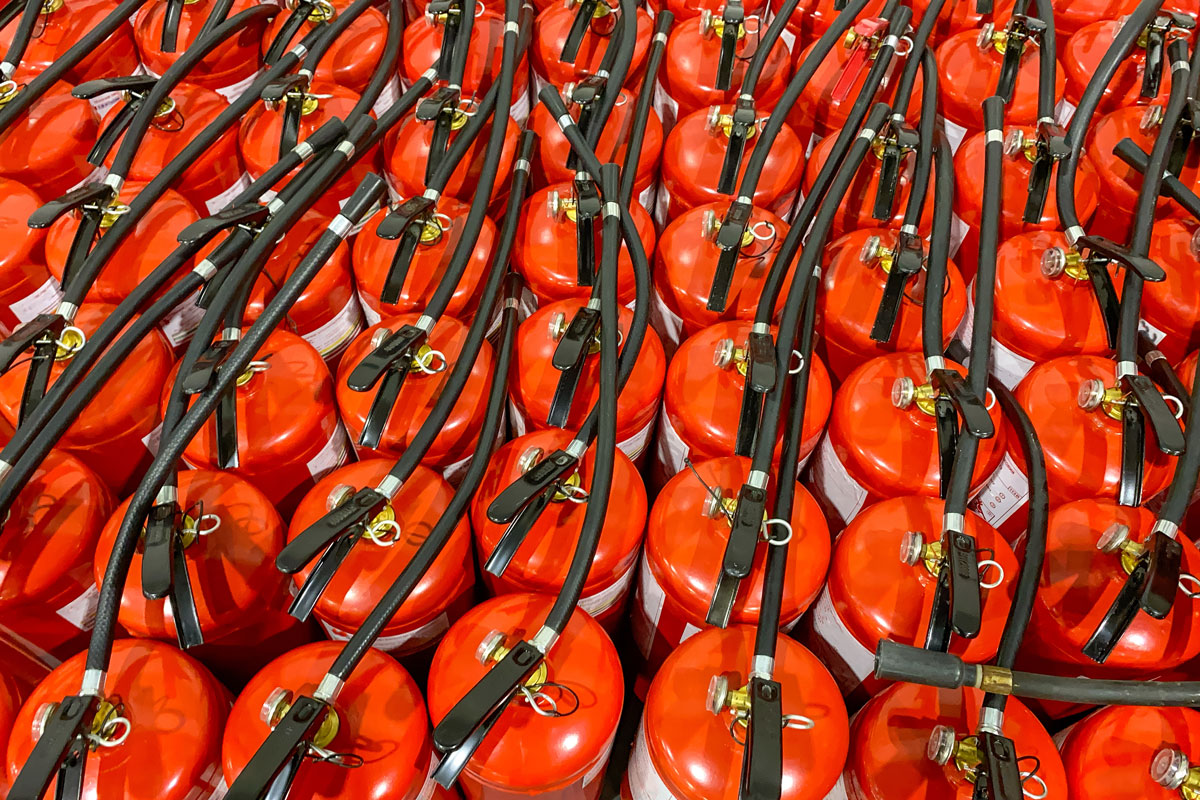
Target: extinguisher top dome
{"x":46,"y":147}
{"x":230,"y":61}
{"x":690,"y":721}
{"x":380,"y":731}
{"x":231,"y":535}
{"x":544,"y":556}
{"x":61,"y":24}
{"x":391,"y":540}
{"x":581,"y":672}
{"x":550,"y":34}
{"x":1121,"y":182}
{"x":890,"y":746}
{"x":352,"y":57}
{"x":283,"y":262}
{"x":423,"y":46}
{"x":700,"y":503}
{"x":1082,"y":55}
{"x":885,"y":568}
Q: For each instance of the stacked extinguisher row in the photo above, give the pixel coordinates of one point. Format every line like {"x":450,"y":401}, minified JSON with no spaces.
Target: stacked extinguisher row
{"x":388,"y":385}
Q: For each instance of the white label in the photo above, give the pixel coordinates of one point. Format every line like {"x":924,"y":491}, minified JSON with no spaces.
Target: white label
{"x":814,"y":139}
{"x":1064,"y":111}
{"x":634,"y":445}
{"x":409,"y":641}
{"x":97,"y":175}
{"x":596,"y":771}
{"x":830,"y":628}
{"x":644,"y":781}
{"x":651,"y":598}
{"x":672,"y":449}
{"x":601,"y":601}
{"x":1061,"y":737}
{"x":103,"y":102}
{"x":391,"y":91}
{"x":152,"y":439}
{"x":41,"y":300}
{"x":649,"y":196}
{"x":519,"y":110}
{"x":789,"y":39}
{"x":429,"y":788}
{"x":235,"y":90}
{"x":662,"y":204}
{"x":958,"y":233}
{"x":1152,"y":333}
{"x":689,"y":630}
{"x":955,"y":133}
{"x":1007,"y":367}
{"x":1003,"y":494}
{"x":330,"y":338}
{"x":215,"y":204}
{"x":369,"y":314}
{"x":81,"y":612}
{"x":211,"y":785}
{"x":180,"y":323}
{"x":516,"y":419}
{"x":331,"y":456}
{"x":838,"y":792}
{"x":831,"y":479}
{"x":665,"y":106}
{"x":666,"y":323}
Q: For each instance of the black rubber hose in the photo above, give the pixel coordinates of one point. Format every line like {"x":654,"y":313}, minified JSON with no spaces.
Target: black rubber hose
{"x":908,"y":76}
{"x":385,"y":69}
{"x":461,"y":371}
{"x":1103,"y":74}
{"x":330,"y":33}
{"x":37,"y":87}
{"x":1147,"y":202}
{"x":922,"y":173}
{"x":458,"y":58}
{"x":1187,"y":466}
{"x":622,"y":58}
{"x":173,"y":443}
{"x":216,"y":15}
{"x":641,"y":112}
{"x":21,"y":36}
{"x":1047,"y":62}
{"x":767,"y":43}
{"x":1034,"y":555}
{"x":606,"y":437}
{"x":939,"y":249}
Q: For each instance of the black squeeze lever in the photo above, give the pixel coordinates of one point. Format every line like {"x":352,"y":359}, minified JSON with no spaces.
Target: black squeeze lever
{"x":1155,"y":37}
{"x":272,"y":769}
{"x":517,"y":531}
{"x":61,"y":751}
{"x":518,"y":494}
{"x":998,"y":771}
{"x":199,"y":379}
{"x":898,"y":140}
{"x":584,"y":94}
{"x":1100,"y":253}
{"x":29,"y":335}
{"x":450,"y":12}
{"x":907,"y":260}
{"x":744,"y":531}
{"x":136,"y":86}
{"x":761,"y":374}
{"x":974,"y":413}
{"x":164,"y":572}
{"x":741,"y":129}
{"x":1154,"y":408}
{"x":1051,"y":147}
{"x":405,"y":222}
{"x":732,"y":18}
{"x":464,"y":727}
{"x":1133,"y":155}
{"x":587,"y":210}
{"x":762,"y":760}
{"x":1133,"y":450}
{"x":291,"y":90}
{"x":569,"y":357}
{"x":1166,"y":563}
{"x":333,"y":536}
{"x":1020,"y":29}
{"x":439,"y":109}
{"x":946,"y":423}
{"x":1119,"y":615}
{"x":91,"y":200}
{"x":170,"y":31}
{"x":937,"y":635}
{"x":390,"y":362}
{"x":1161,"y":372}
{"x":251,"y":215}
{"x":729,"y":240}
{"x":291,"y":26}
{"x":983,"y":6}
{"x":966,"y":615}
{"x":579,"y":26}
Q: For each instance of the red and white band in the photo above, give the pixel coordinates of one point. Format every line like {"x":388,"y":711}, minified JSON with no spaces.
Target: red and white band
{"x":600,"y":601}
{"x":855,"y":662}
{"x":332,"y":337}
{"x":41,"y":300}
{"x":830,"y":479}
{"x":1004,"y":493}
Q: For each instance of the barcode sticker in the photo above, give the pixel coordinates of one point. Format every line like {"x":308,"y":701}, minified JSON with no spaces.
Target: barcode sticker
{"x":224,"y":198}
{"x":1003,"y":494}
{"x":331,"y":456}
{"x":81,"y":612}
{"x":339,"y":331}
{"x":41,"y":300}
{"x":180,"y":323}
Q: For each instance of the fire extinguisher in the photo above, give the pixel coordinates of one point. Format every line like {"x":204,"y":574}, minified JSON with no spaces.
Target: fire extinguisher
{"x":47,"y":597}
{"x":695,"y":732}
{"x":117,"y":725}
{"x":695,"y":152}
{"x":279,"y":429}
{"x":27,"y":288}
{"x":976,"y":63}
{"x":861,"y":605}
{"x":439,"y":234}
{"x":165,"y":30}
{"x":113,"y":434}
{"x":341,"y":587}
{"x":556,"y":380}
{"x":919,"y":741}
{"x":569,"y":48}
{"x":566,"y":710}
{"x":707,"y":62}
{"x":373,"y":742}
{"x":679,"y":571}
{"x":548,"y":242}
{"x":690,"y":257}
{"x":1030,"y":189}
{"x":1132,"y":752}
{"x":384,"y":397}
{"x":53,"y":27}
{"x":267,"y":131}
{"x":45,"y":147}
{"x":327,"y":314}
{"x":812,"y":18}
{"x":214,"y":178}
{"x":703,"y":397}
{"x":553,"y":149}
{"x":152,"y":240}
{"x":1170,"y":310}
{"x":204,"y":575}
{"x":351,"y":58}
{"x":1140,"y":79}
{"x":528,"y":554}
